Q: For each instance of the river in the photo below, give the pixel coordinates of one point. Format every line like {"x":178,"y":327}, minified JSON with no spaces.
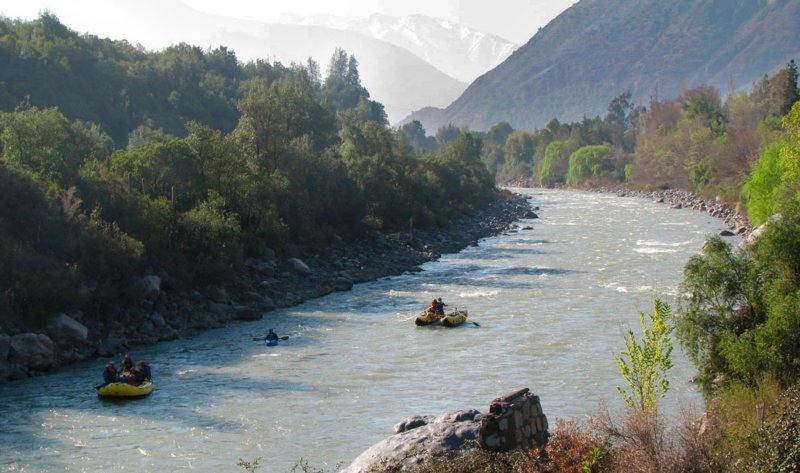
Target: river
{"x":553,"y":304}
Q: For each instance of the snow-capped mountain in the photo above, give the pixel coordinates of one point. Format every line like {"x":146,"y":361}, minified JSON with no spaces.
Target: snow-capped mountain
{"x":457,"y":50}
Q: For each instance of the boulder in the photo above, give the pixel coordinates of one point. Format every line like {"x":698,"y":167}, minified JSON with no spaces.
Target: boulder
{"x":110,"y":346}
{"x":220,"y":296}
{"x":151,"y":287}
{"x":220,"y":309}
{"x":421,"y":438}
{"x":756,"y":234}
{"x":299,"y":267}
{"x":64,"y":329}
{"x":34,"y":350}
{"x":342,"y":283}
{"x":5,"y":346}
{"x":253,"y":298}
{"x":243,"y":312}
{"x":11,"y":372}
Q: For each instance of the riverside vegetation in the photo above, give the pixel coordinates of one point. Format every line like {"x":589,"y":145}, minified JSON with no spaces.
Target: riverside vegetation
{"x":116,"y":162}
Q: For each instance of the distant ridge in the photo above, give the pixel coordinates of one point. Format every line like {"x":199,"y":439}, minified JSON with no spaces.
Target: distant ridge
{"x":457,"y":50}
{"x":597,"y":49}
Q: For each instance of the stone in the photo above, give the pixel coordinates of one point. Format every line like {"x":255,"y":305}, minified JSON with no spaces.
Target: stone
{"x":34,"y":350}
{"x":243,"y":312}
{"x":151,"y":287}
{"x":411,"y":422}
{"x":5,"y":346}
{"x":342,"y":283}
{"x":410,"y":448}
{"x":219,"y":309}
{"x":299,"y":267}
{"x":66,"y":329}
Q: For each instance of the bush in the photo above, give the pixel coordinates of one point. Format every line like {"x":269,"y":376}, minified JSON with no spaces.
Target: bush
{"x":777,"y":444}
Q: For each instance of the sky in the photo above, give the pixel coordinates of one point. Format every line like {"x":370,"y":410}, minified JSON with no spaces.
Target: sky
{"x":515,"y":20}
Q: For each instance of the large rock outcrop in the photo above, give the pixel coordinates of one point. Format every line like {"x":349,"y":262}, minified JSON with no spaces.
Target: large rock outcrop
{"x":515,"y":420}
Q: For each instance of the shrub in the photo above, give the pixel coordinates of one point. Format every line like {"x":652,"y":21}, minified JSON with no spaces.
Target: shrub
{"x":777,"y":444}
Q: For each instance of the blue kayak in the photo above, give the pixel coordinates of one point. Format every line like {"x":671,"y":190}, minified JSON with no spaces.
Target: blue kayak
{"x":270,"y":343}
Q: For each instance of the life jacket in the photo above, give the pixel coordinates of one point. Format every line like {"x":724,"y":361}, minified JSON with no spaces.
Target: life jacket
{"x":110,"y":374}
{"x":145,"y":370}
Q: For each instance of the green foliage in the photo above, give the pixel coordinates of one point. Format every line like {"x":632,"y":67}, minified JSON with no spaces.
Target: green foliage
{"x":777,"y":444}
{"x":262,"y":162}
{"x":249,"y":466}
{"x":790,"y":151}
{"x":556,"y":163}
{"x":791,"y":92}
{"x":590,"y":163}
{"x":47,"y":144}
{"x":644,"y":365}
{"x":415,"y":136}
{"x":518,"y":155}
{"x":722,"y":297}
{"x":764,"y":188}
{"x":741,"y":316}
{"x":211,"y":238}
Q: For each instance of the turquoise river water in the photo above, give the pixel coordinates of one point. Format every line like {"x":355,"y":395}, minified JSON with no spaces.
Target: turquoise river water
{"x":552,"y":304}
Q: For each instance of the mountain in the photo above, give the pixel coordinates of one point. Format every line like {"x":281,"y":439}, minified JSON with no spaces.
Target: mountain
{"x":598,"y":49}
{"x":457,"y":50}
{"x":398,"y":79}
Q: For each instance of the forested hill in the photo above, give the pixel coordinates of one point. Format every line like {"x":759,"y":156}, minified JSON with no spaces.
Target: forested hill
{"x":598,"y":49}
{"x":210,"y":163}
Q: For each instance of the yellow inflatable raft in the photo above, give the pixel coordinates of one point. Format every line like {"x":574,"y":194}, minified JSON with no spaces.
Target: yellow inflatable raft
{"x":125,"y":389}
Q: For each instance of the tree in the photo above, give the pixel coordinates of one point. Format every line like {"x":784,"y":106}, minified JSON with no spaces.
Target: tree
{"x":722,"y":296}
{"x":46,"y":143}
{"x":764,"y":189}
{"x":589,"y":162}
{"x":414,"y":134}
{"x":555,"y":163}
{"x":519,"y":149}
{"x":791,"y":92}
{"x":644,"y":365}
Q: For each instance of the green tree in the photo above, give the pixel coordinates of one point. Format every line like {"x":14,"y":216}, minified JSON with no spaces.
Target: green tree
{"x":555,"y":163}
{"x":644,"y":364}
{"x":519,"y":150}
{"x":791,"y":92}
{"x":415,"y":136}
{"x":764,"y":189}
{"x":589,"y":162}
{"x":46,"y":143}
{"x":723,"y":296}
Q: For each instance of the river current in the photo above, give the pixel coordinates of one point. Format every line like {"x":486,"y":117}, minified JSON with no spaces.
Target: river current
{"x":552,"y":303}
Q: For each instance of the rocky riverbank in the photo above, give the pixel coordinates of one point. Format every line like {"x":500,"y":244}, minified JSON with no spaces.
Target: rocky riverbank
{"x":734,"y":221}
{"x":265,"y":284}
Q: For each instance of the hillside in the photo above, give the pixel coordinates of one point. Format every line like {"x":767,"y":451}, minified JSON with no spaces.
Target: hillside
{"x":398,"y":79}
{"x":597,"y":49}
{"x":457,"y":50}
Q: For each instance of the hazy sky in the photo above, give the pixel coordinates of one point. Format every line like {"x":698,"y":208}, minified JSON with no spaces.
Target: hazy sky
{"x":515,"y":20}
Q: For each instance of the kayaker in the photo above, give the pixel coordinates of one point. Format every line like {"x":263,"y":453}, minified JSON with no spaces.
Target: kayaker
{"x":271,"y":335}
{"x":110,"y":373}
{"x":144,"y":368}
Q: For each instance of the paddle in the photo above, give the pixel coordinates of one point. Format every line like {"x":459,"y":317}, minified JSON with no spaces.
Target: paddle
{"x":259,"y":339}
{"x":100,"y":386}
